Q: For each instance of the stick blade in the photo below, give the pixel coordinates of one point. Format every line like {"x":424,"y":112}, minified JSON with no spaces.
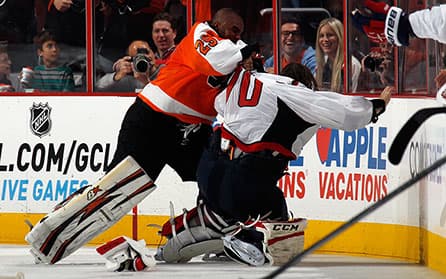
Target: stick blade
{"x":406,"y":133}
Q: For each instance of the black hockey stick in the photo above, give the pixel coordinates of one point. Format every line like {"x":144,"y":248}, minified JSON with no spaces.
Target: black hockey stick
{"x":357,"y":217}
{"x":404,"y":136}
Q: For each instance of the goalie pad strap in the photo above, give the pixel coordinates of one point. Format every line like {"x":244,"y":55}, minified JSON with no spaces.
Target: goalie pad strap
{"x":200,"y":215}
{"x":168,"y":230}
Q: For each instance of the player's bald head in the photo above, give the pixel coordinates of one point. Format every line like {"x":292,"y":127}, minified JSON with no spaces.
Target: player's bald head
{"x":228,"y":23}
{"x":225,"y":14}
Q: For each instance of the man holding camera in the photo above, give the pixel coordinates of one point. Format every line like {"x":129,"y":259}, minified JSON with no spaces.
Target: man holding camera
{"x":133,"y":71}
{"x":378,"y":63}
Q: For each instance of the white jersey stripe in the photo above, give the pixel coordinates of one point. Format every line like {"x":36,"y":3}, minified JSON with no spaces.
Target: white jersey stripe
{"x":168,"y":104}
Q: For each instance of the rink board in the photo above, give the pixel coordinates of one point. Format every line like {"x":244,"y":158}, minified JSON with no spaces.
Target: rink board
{"x":53,"y":145}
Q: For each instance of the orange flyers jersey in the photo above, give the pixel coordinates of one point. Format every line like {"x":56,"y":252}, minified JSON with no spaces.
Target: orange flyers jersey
{"x":185,"y":88}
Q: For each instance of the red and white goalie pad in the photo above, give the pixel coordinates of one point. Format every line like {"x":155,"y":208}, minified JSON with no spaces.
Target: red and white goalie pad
{"x":89,"y":213}
{"x":193,"y":233}
{"x":126,"y":254}
{"x":284,"y":239}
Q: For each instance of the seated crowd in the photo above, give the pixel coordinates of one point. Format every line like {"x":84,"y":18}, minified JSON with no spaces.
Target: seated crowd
{"x":65,"y":69}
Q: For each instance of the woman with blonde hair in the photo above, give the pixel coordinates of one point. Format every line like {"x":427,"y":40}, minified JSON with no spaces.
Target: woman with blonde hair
{"x":330,"y":56}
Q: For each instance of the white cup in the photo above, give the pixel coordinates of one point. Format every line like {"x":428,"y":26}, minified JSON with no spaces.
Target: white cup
{"x":27,"y":75}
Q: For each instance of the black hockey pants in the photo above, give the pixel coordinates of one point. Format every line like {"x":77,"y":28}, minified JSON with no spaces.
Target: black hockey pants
{"x":244,"y":187}
{"x":154,"y":139}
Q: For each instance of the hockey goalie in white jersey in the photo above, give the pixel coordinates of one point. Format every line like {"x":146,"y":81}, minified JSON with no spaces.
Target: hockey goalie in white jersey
{"x":267,"y":119}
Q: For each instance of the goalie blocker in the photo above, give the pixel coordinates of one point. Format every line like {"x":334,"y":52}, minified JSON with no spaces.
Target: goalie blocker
{"x":89,"y":212}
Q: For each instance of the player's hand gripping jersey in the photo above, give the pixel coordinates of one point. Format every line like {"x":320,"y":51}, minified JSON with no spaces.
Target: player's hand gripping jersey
{"x":199,"y":62}
{"x":266,"y":112}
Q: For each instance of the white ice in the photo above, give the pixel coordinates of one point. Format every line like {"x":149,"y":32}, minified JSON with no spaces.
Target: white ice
{"x":86,"y":263}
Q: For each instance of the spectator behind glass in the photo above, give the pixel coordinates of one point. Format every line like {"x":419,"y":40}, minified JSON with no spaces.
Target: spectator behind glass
{"x":164,"y":32}
{"x":5,"y":71}
{"x":378,"y":66}
{"x":117,"y":24}
{"x":140,"y":18}
{"x":17,"y":21}
{"x":49,"y":75}
{"x":293,"y":47}
{"x":66,"y":19}
{"x":126,"y":78}
{"x":330,"y":57}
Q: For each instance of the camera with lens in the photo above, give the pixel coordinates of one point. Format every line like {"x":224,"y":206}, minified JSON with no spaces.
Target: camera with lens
{"x":372,"y":63}
{"x":141,"y":63}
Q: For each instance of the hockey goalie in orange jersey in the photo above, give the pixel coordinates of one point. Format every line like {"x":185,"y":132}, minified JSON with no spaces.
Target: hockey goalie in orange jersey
{"x":168,"y":124}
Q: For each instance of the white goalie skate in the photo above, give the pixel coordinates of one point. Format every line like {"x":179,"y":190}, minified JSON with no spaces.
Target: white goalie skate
{"x":266,"y":242}
{"x":87,"y":214}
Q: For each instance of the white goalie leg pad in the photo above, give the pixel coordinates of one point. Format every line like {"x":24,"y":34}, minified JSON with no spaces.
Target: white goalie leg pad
{"x":126,"y":254}
{"x":183,"y":248}
{"x":284,"y":239}
{"x":191,"y":234}
{"x":89,"y":213}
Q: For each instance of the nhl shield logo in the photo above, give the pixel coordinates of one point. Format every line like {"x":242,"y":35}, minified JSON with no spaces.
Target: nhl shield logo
{"x":40,"y":119}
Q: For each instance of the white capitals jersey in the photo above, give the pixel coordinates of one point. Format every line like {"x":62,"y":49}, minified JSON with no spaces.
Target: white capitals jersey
{"x":266,"y":112}
{"x":430,"y":23}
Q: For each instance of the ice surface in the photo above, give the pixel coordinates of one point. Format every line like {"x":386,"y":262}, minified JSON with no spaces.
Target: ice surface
{"x":86,"y":263}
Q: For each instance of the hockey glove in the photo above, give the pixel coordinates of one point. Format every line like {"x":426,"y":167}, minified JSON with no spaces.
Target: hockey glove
{"x":370,"y":20}
{"x":125,"y":254}
{"x":397,"y":27}
{"x":379,"y":107}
